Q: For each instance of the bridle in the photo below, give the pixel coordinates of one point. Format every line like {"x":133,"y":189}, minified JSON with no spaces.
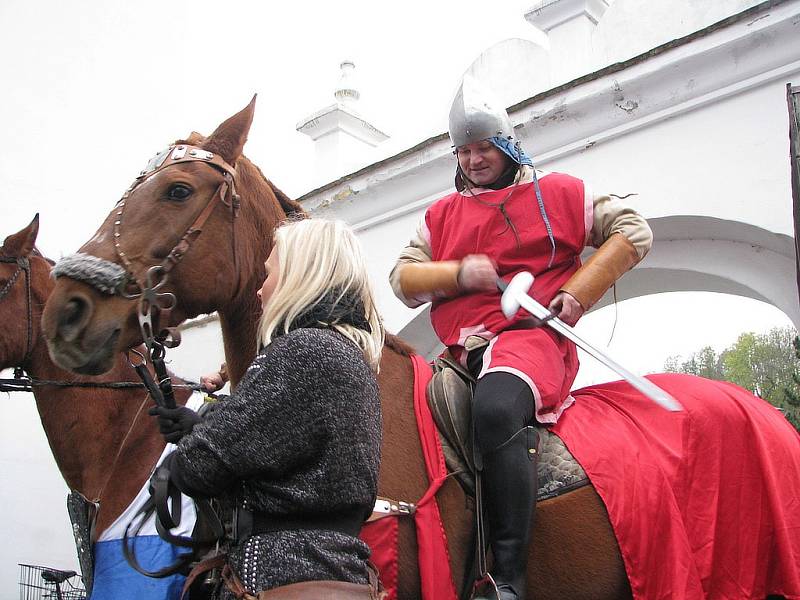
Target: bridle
{"x":122,"y":280}
{"x":23,"y":264}
{"x":156,"y":276}
{"x":110,"y":278}
{"x":114,"y":279}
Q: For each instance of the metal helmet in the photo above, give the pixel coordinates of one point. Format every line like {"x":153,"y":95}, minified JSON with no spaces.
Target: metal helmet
{"x":477,"y":115}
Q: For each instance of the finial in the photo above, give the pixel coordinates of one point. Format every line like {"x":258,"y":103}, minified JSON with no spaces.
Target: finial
{"x":346,"y":91}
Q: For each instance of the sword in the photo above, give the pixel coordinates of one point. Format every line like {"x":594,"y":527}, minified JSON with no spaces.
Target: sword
{"x":515,"y":295}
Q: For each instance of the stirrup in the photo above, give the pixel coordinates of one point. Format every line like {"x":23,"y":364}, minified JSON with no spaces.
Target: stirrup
{"x":485,"y":588}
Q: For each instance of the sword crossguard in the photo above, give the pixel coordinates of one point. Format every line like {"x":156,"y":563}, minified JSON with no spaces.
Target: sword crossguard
{"x":509,"y":302}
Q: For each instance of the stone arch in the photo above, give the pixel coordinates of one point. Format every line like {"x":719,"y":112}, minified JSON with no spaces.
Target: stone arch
{"x":706,"y":254}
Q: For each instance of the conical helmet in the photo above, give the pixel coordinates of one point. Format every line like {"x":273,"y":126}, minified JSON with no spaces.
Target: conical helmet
{"x":476,"y":114}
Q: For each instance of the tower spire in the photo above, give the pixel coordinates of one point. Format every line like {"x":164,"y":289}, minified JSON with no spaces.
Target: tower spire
{"x":343,"y":140}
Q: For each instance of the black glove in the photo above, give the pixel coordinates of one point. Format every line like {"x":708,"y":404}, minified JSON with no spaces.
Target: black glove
{"x":174,"y":423}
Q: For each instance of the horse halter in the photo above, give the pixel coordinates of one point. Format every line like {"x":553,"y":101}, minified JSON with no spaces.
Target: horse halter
{"x":23,"y":264}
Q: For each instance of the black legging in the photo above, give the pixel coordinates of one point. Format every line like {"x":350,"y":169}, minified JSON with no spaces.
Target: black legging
{"x":503,"y":404}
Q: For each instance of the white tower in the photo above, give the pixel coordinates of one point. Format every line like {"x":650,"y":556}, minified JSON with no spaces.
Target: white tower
{"x":343,"y":139}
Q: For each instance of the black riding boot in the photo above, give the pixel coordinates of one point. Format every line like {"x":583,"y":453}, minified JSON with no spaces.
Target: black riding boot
{"x":510,"y":484}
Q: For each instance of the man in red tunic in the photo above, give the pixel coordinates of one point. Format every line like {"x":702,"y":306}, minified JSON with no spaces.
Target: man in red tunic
{"x":504,"y":218}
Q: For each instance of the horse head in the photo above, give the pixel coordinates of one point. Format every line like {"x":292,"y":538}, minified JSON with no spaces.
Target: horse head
{"x":148,"y":267}
{"x":24,"y":286}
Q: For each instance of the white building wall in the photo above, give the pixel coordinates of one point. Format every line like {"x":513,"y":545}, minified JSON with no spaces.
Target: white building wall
{"x":631,"y":27}
{"x":727,"y":160}
{"x":698,"y":132}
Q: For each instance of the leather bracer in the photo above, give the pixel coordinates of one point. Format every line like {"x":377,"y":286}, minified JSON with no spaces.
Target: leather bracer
{"x":588,"y":284}
{"x":426,"y":280}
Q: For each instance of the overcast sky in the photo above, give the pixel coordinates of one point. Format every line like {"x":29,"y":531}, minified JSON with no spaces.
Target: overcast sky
{"x":91,"y":90}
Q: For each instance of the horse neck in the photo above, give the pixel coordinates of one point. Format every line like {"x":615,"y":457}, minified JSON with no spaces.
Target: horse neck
{"x":85,"y":427}
{"x":402,"y":472}
{"x":239,"y":328}
{"x":263,"y":208}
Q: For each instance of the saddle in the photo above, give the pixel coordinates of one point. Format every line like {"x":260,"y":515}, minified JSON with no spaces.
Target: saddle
{"x":450,"y":399}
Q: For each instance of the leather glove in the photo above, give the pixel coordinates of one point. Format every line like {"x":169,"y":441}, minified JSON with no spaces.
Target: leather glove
{"x":174,"y":423}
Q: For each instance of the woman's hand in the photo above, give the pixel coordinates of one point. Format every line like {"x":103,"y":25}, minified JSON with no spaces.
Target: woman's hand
{"x":566,"y":308}
{"x":212,"y":382}
{"x":215,"y":381}
{"x":174,"y":423}
{"x":478,"y":273}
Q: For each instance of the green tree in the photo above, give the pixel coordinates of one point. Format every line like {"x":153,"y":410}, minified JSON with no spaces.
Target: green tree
{"x":705,"y":363}
{"x":792,"y":391}
{"x":767,"y":364}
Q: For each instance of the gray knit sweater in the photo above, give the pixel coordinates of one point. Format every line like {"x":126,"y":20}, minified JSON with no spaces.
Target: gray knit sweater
{"x":300,"y":436}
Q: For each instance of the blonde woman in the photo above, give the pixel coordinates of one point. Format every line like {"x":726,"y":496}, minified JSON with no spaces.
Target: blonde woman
{"x":297,"y":445}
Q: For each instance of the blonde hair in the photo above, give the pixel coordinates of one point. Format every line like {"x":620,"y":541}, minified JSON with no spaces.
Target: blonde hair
{"x":316,"y":256}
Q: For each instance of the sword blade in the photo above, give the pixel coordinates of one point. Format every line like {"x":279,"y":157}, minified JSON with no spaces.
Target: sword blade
{"x":647,"y":387}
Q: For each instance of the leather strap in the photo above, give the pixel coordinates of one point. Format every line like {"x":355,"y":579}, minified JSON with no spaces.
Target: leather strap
{"x":168,"y":516}
{"x":204,"y":566}
{"x":588,"y":284}
{"x":252,"y":523}
{"x":23,"y":265}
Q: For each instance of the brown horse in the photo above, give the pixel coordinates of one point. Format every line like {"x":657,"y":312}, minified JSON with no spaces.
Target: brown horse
{"x":102,"y":439}
{"x":86,"y":328}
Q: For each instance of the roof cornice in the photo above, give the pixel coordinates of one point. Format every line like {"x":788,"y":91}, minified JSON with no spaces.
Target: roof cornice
{"x":729,"y":57}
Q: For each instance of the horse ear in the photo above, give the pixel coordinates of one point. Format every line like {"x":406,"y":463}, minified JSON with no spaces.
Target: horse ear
{"x":21,"y":243}
{"x":229,"y":138}
{"x":195,"y":139}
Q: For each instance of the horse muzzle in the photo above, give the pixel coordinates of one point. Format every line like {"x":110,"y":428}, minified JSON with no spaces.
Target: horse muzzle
{"x":80,"y":336}
{"x":91,"y":359}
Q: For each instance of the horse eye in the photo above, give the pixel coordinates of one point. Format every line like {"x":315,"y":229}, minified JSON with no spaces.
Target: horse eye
{"x":179,"y":192}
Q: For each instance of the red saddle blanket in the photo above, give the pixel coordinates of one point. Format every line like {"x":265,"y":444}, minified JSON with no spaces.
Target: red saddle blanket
{"x":705,"y":503}
{"x":436,"y":581}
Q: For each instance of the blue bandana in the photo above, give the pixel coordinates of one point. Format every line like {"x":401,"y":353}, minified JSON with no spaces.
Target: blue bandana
{"x":513,"y":150}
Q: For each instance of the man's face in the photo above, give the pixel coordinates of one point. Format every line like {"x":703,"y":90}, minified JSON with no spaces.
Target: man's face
{"x":482,"y":162}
